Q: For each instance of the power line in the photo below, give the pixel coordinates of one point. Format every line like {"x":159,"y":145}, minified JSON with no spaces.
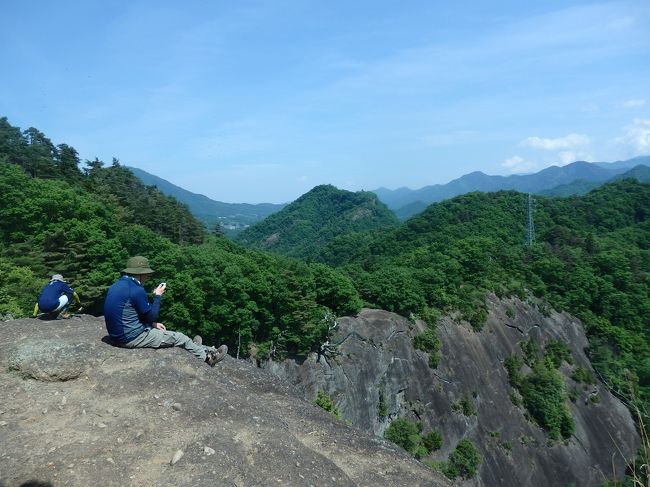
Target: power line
{"x":530,"y":227}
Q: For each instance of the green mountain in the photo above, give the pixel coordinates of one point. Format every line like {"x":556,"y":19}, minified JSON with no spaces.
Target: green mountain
{"x":231,"y":217}
{"x":581,"y":186}
{"x":578,"y":187}
{"x":406,"y":212}
{"x":641,"y":173}
{"x":304,"y":227}
{"x":40,"y":158}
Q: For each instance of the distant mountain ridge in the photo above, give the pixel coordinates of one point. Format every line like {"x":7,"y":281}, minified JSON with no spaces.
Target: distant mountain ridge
{"x":580,"y":187}
{"x":308,"y":224}
{"x":233,"y":217}
{"x":545,"y":179}
{"x":577,"y":178}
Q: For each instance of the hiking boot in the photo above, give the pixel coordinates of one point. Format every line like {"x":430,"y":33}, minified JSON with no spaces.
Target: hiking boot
{"x":198,"y":340}
{"x":215,"y":356}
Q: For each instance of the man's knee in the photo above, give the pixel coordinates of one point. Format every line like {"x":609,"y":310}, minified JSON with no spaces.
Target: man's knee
{"x":63,"y":303}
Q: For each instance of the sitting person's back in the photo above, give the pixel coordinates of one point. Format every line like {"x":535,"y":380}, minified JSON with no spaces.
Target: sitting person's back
{"x":131,"y":319}
{"x":55,"y":297}
{"x":127,"y":310}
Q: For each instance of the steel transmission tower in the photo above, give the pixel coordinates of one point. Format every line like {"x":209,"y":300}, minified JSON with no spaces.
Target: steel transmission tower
{"x":530,"y":227}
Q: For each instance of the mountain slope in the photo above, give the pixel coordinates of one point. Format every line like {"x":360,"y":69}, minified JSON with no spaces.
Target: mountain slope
{"x":641,"y":173}
{"x":627,"y":164}
{"x":37,"y":156}
{"x":233,"y":217}
{"x":530,"y":183}
{"x":305,"y":226}
{"x":372,"y":385}
{"x":581,"y":187}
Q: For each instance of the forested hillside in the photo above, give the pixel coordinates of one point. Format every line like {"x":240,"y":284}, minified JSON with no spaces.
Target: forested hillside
{"x":591,"y":258}
{"x":40,"y":158}
{"x":302,"y":228}
{"x":229,"y":218}
{"x":56,"y":218}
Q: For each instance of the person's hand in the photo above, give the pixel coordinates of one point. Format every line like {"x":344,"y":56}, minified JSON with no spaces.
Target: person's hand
{"x":160,"y":326}
{"x":160,"y":289}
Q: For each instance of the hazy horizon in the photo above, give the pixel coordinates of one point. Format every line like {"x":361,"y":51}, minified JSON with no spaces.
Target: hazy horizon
{"x":261,"y":101}
{"x":372,"y":189}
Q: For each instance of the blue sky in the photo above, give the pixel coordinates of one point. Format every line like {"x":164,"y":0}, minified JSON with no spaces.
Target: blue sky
{"x":261,"y":101}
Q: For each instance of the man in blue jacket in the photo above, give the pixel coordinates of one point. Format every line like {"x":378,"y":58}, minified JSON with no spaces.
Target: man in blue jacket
{"x":131,"y":319}
{"x":55,"y":298}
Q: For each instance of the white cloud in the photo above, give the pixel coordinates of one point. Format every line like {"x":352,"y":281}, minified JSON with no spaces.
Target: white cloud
{"x":512,"y":162}
{"x":634,"y":103}
{"x":567,"y":157}
{"x":637,"y":137}
{"x":568,"y":142}
{"x":518,"y":164}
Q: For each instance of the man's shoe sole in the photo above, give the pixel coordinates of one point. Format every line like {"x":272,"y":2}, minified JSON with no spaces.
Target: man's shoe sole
{"x":222,"y":351}
{"x":214,"y":357}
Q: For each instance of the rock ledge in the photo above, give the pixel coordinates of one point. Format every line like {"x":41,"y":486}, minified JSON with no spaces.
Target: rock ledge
{"x":75,"y":410}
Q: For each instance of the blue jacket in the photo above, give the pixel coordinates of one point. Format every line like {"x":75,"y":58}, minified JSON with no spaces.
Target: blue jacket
{"x":127,"y":311}
{"x":48,"y":300}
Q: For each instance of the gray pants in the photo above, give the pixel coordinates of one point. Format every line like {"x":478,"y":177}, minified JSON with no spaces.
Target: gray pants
{"x":155,"y":338}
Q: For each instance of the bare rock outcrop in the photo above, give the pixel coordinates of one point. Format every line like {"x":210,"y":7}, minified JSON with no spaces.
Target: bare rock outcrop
{"x":375,"y":358}
{"x":74,"y":410}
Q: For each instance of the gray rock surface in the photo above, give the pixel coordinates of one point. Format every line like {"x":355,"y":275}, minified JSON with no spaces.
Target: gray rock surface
{"x":75,"y":410}
{"x":376,"y":356}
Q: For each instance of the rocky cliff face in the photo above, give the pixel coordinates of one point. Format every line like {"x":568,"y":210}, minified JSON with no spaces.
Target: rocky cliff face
{"x":376,"y":358}
{"x":75,"y":410}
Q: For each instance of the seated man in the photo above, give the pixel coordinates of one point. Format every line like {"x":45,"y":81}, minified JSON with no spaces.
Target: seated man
{"x":131,"y":319}
{"x":55,"y":298}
